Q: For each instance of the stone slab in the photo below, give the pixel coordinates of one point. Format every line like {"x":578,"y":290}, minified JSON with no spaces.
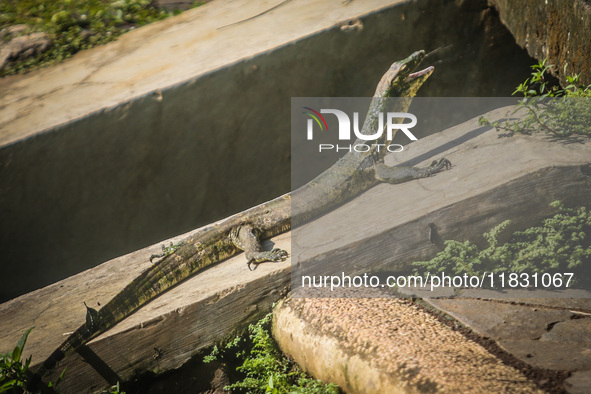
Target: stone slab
{"x":549,"y":337}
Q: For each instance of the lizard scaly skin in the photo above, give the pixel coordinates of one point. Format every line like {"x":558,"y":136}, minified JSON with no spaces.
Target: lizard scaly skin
{"x":351,"y":175}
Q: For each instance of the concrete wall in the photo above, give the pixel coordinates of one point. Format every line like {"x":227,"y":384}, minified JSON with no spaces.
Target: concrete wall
{"x":164,"y":162}
{"x":559,"y":30}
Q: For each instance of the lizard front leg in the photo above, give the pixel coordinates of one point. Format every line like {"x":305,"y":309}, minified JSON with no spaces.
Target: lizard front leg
{"x":245,"y":237}
{"x":384,"y":173}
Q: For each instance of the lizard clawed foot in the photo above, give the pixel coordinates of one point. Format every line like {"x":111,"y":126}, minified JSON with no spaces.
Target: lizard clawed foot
{"x":276,"y":255}
{"x":246,"y":237}
{"x":438,"y":166}
{"x":166,"y":250}
{"x":156,"y":256}
{"x":271,"y":255}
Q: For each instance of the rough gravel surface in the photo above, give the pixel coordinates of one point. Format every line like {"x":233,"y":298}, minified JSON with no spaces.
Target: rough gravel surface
{"x":400,"y":340}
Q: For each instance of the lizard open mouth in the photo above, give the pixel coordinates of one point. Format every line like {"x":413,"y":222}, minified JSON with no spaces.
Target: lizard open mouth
{"x":418,"y":74}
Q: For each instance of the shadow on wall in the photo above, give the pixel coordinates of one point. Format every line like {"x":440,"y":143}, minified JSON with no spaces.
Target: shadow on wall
{"x":128,"y":177}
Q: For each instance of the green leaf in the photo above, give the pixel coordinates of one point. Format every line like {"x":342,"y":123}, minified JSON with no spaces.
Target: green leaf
{"x":8,"y":386}
{"x":28,"y":362}
{"x":61,"y":377}
{"x":18,"y":350}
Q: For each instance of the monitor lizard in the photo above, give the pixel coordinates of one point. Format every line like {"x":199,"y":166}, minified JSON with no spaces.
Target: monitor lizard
{"x":349,"y":176}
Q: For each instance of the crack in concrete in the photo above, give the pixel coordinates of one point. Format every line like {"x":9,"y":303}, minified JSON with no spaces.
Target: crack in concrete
{"x":551,"y":325}
{"x":255,"y":16}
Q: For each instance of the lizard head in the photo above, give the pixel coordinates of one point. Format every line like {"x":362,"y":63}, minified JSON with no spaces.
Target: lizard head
{"x":401,"y":80}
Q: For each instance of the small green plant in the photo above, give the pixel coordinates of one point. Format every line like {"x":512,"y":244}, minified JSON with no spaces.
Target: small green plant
{"x":114,"y":390}
{"x":265,"y":369}
{"x":14,"y":373}
{"x":561,"y":112}
{"x":562,"y":243}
